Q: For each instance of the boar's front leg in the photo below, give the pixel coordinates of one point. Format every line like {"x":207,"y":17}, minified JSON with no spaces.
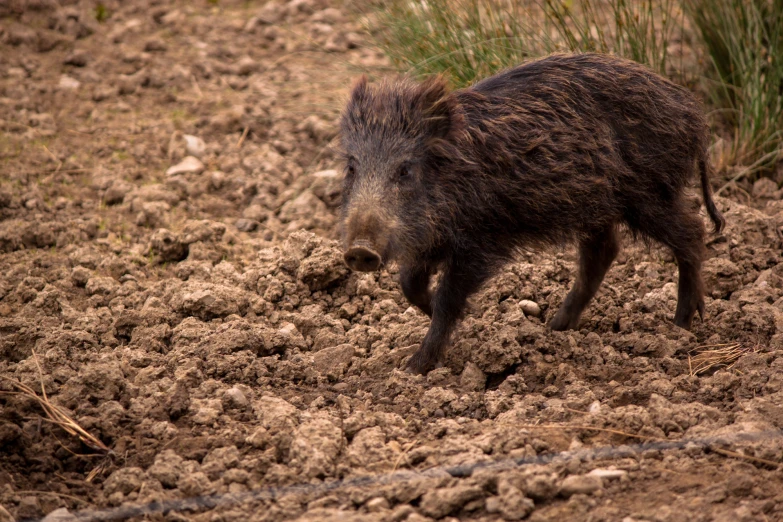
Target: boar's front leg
{"x":415,"y":282}
{"x":459,"y":280}
{"x":596,"y":254}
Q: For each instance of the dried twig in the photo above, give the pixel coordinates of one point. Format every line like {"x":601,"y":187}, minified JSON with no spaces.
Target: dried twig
{"x":54,"y":158}
{"x":242,"y":138}
{"x":55,"y":493}
{"x":403,"y":454}
{"x":57,"y":415}
{"x":746,"y":457}
{"x":100,"y":468}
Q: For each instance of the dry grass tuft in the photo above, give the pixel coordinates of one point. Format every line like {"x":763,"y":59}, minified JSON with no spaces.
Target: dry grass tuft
{"x":717,"y":355}
{"x":60,"y":417}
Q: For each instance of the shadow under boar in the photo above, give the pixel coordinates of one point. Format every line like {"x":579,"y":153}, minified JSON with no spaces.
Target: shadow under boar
{"x":563,"y":149}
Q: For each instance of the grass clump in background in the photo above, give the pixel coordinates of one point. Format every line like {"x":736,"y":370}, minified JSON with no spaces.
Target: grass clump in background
{"x":470,"y":39}
{"x":744,"y":40}
{"x":467,"y":40}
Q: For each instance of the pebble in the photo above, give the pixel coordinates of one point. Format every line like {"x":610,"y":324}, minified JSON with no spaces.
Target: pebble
{"x":608,"y":474}
{"x":155,"y":45}
{"x":377,"y":504}
{"x":69,"y":84}
{"x":189,"y":165}
{"x":247,"y":66}
{"x":530,"y":308}
{"x":77,"y":58}
{"x":236,"y":397}
{"x":584,"y":484}
{"x":246,"y":225}
{"x":194,"y":145}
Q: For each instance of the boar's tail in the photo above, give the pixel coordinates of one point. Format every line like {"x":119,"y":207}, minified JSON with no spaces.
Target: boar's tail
{"x":717,"y":218}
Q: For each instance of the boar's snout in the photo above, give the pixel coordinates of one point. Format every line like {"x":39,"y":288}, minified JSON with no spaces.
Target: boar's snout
{"x":361,"y":258}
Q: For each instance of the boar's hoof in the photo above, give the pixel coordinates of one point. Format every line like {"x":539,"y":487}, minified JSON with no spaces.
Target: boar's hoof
{"x":362,"y":259}
{"x":563,"y":321}
{"x":419,"y":366}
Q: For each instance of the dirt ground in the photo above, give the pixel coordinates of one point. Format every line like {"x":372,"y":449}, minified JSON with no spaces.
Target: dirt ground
{"x":169,"y":275}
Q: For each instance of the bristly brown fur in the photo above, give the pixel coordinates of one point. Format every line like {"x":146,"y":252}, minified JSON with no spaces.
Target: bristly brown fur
{"x":562,"y":149}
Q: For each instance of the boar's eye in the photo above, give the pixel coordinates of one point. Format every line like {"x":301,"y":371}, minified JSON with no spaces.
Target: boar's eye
{"x":404,"y":172}
{"x":350,"y":171}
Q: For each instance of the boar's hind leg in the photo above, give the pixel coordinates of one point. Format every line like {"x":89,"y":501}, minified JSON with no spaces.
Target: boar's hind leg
{"x":459,"y":280}
{"x":596,"y":254}
{"x":683,"y":231}
{"x":415,"y":282}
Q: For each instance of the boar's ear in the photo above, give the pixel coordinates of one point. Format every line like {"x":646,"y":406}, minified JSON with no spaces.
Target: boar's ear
{"x":440,"y":108}
{"x":360,"y":90}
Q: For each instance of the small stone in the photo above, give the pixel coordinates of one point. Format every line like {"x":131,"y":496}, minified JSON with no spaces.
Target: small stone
{"x":530,"y":308}
{"x":246,"y":225}
{"x":189,"y":165}
{"x":583,"y":484}
{"x":217,"y":179}
{"x":377,"y":504}
{"x":247,"y":66}
{"x":68,"y":83}
{"x":608,"y":474}
{"x":155,"y":45}
{"x":236,"y":397}
{"x":194,"y":145}
{"x":77,"y":58}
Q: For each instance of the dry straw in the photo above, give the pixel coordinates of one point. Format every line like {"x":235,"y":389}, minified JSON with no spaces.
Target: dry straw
{"x":58,"y":416}
{"x":714,"y":356}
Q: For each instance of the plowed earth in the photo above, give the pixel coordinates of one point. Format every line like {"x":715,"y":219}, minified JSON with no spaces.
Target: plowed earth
{"x":198,"y":320}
